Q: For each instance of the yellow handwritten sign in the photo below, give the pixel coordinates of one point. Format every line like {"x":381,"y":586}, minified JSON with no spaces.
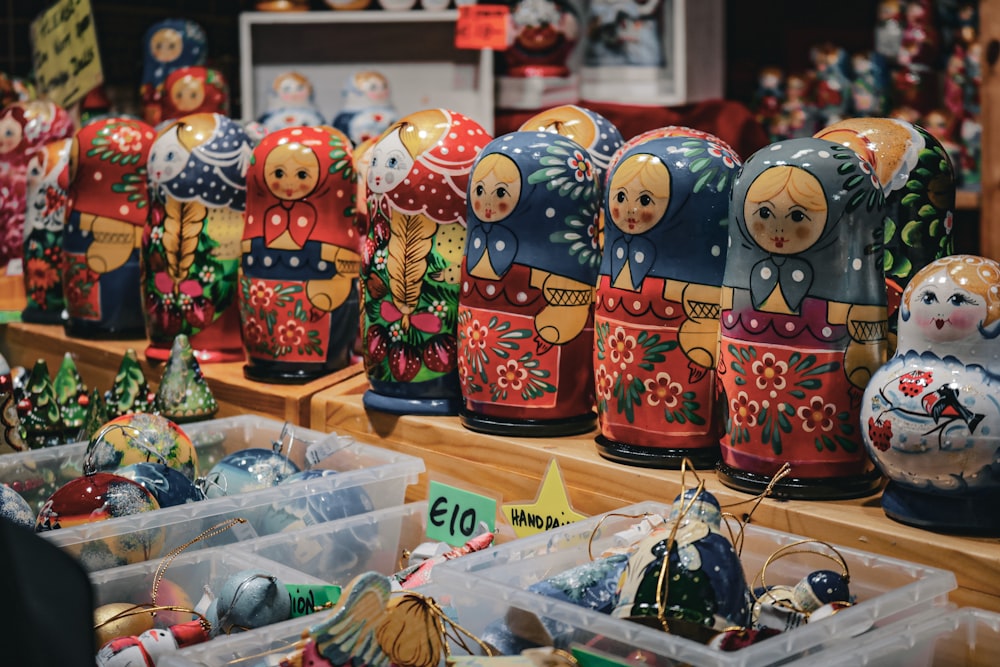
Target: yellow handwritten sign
{"x":550,"y":509}
{"x":64,"y":51}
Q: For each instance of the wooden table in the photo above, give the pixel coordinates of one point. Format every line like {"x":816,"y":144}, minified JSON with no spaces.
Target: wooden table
{"x":512,"y":468}
{"x":98,"y":360}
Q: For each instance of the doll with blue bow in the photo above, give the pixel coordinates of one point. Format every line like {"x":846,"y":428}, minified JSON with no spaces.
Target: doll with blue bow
{"x":170,"y":44}
{"x":525,"y":317}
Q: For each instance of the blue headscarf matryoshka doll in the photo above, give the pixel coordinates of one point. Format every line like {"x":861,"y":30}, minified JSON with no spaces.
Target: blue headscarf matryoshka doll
{"x":525,"y":317}
{"x":298,"y":294}
{"x":656,"y":315}
{"x":170,"y":44}
{"x":803,"y":321}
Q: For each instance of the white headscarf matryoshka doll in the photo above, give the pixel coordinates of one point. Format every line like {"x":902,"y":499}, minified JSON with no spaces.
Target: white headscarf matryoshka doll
{"x":417,"y":181}
{"x":525,"y":318}
{"x":108,"y":207}
{"x":803,"y":321}
{"x":656,"y":315}
{"x":191,"y":249}
{"x":170,"y":44}
{"x":298,"y":292}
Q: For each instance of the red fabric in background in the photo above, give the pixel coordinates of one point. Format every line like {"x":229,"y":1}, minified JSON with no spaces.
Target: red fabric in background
{"x":730,"y":121}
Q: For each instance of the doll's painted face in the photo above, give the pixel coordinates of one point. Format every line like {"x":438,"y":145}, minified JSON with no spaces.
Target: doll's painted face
{"x":167,"y":157}
{"x":291,"y":171}
{"x":496,"y":189}
{"x":294,"y":90}
{"x":10,"y":134}
{"x":639,"y":194}
{"x":785,"y":210}
{"x":390,"y":164}
{"x":166,"y":45}
{"x":374,"y":86}
{"x":944,"y":311}
{"x":188,"y":94}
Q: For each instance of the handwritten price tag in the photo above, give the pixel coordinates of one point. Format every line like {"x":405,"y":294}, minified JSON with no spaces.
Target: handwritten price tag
{"x":64,"y":51}
{"x":482,"y":27}
{"x":453,"y":514}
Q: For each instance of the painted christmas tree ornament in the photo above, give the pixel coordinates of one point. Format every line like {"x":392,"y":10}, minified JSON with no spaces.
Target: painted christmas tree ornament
{"x":928,"y":414}
{"x":689,"y":580}
{"x":657,"y":305}
{"x":594,"y":132}
{"x":194,"y":89}
{"x":918,"y":182}
{"x":140,"y":438}
{"x":169,"y":45}
{"x":291,"y":103}
{"x":298,"y":296}
{"x":191,"y":245}
{"x":366,"y":107}
{"x":184,"y":395}
{"x":71,"y":396}
{"x":417,"y":180}
{"x":170,"y":487}
{"x":803,"y":321}
{"x":41,"y":420}
{"x":108,"y":207}
{"x":95,"y":416}
{"x":15,"y":509}
{"x":44,"y":221}
{"x":248,"y":470}
{"x":130,"y":392}
{"x":525,"y":312}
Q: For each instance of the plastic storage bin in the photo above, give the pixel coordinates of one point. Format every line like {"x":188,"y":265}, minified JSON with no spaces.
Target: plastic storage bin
{"x":366,"y":473}
{"x":886,"y":588}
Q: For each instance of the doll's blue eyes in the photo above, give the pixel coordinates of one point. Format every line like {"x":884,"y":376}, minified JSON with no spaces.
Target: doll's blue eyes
{"x":391,"y":163}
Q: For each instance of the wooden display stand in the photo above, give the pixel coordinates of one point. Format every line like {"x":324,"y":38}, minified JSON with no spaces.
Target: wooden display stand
{"x":98,"y":360}
{"x":512,"y":468}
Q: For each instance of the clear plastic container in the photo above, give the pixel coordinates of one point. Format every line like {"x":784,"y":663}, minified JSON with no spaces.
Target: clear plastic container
{"x":368,"y":478}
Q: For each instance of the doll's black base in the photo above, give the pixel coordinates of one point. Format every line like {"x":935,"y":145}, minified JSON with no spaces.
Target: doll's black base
{"x":701,"y":458}
{"x":83,"y":329}
{"x":397,"y":405}
{"x":529,"y":428}
{"x":966,"y":514}
{"x":286,"y":373}
{"x":802,"y":488}
{"x":39,"y":316}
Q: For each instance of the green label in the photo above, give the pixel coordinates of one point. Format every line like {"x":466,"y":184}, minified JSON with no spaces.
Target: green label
{"x":454,"y":515}
{"x":309,"y":598}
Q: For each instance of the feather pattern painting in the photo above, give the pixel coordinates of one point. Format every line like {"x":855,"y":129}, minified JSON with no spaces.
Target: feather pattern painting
{"x":411,"y":242}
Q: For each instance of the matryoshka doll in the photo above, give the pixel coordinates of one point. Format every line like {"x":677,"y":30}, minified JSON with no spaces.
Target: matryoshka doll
{"x":191,"y":90}
{"x":919,"y":187}
{"x":25,"y":127}
{"x":591,"y":130}
{"x":930,"y":414}
{"x":291,"y":103}
{"x":169,"y":45}
{"x":108,"y":207}
{"x":298,"y":292}
{"x":657,"y":304}
{"x":367,"y":108}
{"x":191,"y":248}
{"x":525,"y":313}
{"x":45,"y":218}
{"x":803,"y":320}
{"x":417,"y":183}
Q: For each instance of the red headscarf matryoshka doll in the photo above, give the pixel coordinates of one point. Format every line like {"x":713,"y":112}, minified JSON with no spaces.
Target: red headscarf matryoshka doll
{"x":108,"y":207}
{"x":417,"y":181}
{"x":170,"y":44}
{"x":657,"y":303}
{"x":803,"y":319}
{"x":525,"y":316}
{"x":195,"y":89}
{"x":298,"y":292}
{"x":24,"y":128}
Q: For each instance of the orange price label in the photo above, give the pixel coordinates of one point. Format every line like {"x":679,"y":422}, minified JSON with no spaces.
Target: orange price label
{"x":482,"y":27}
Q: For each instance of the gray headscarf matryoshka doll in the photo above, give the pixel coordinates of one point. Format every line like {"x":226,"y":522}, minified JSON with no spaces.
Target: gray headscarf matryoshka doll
{"x":525,"y":318}
{"x":656,"y":315}
{"x":803,"y":321}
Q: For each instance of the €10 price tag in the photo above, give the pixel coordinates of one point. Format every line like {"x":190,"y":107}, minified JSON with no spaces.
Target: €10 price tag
{"x":453,"y":514}
{"x":482,"y":27}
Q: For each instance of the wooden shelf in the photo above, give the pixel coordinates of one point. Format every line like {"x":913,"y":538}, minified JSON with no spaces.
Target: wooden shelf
{"x":98,"y":360}
{"x":513,"y":467}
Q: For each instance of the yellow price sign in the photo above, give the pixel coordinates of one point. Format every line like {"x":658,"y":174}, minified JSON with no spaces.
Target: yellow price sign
{"x":64,"y":52}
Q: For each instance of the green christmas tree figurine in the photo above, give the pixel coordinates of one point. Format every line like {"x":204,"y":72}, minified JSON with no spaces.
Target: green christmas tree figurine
{"x":130,"y":393}
{"x":95,"y":418}
{"x":41,"y":422}
{"x":184,"y":396}
{"x":71,"y":394}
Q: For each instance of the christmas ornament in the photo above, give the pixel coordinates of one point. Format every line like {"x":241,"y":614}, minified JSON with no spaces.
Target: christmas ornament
{"x":141,"y":438}
{"x":14,"y":508}
{"x":130,"y":393}
{"x":249,"y":599}
{"x":183,"y":394}
{"x":71,"y":396}
{"x":247,"y":470}
{"x":41,"y":421}
{"x":169,"y":486}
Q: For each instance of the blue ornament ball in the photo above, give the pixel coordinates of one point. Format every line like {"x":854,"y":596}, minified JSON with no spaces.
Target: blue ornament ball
{"x":14,"y":508}
{"x":251,"y":599}
{"x":169,"y":486}
{"x":819,"y":588}
{"x":247,"y":470}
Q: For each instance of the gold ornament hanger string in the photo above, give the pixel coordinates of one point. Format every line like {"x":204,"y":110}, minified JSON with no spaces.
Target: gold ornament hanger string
{"x":151,"y":609}
{"x":783,"y":472}
{"x":446,"y":627}
{"x":663,"y":581}
{"x":597,"y":528}
{"x":794,"y":548}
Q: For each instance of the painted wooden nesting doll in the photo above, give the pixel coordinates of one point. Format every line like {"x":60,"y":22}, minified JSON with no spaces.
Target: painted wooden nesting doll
{"x":195,"y":89}
{"x":803,"y":321}
{"x":108,"y":206}
{"x":544,"y":34}
{"x":298,"y":293}
{"x":366,"y":107}
{"x":44,"y":221}
{"x":169,"y":45}
{"x":657,"y":304}
{"x":525,"y":315}
{"x":929,"y":415}
{"x":24,"y":128}
{"x":919,"y":187}
{"x":191,"y":248}
{"x":591,"y":130}
{"x":417,"y":184}
{"x":291,"y":103}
